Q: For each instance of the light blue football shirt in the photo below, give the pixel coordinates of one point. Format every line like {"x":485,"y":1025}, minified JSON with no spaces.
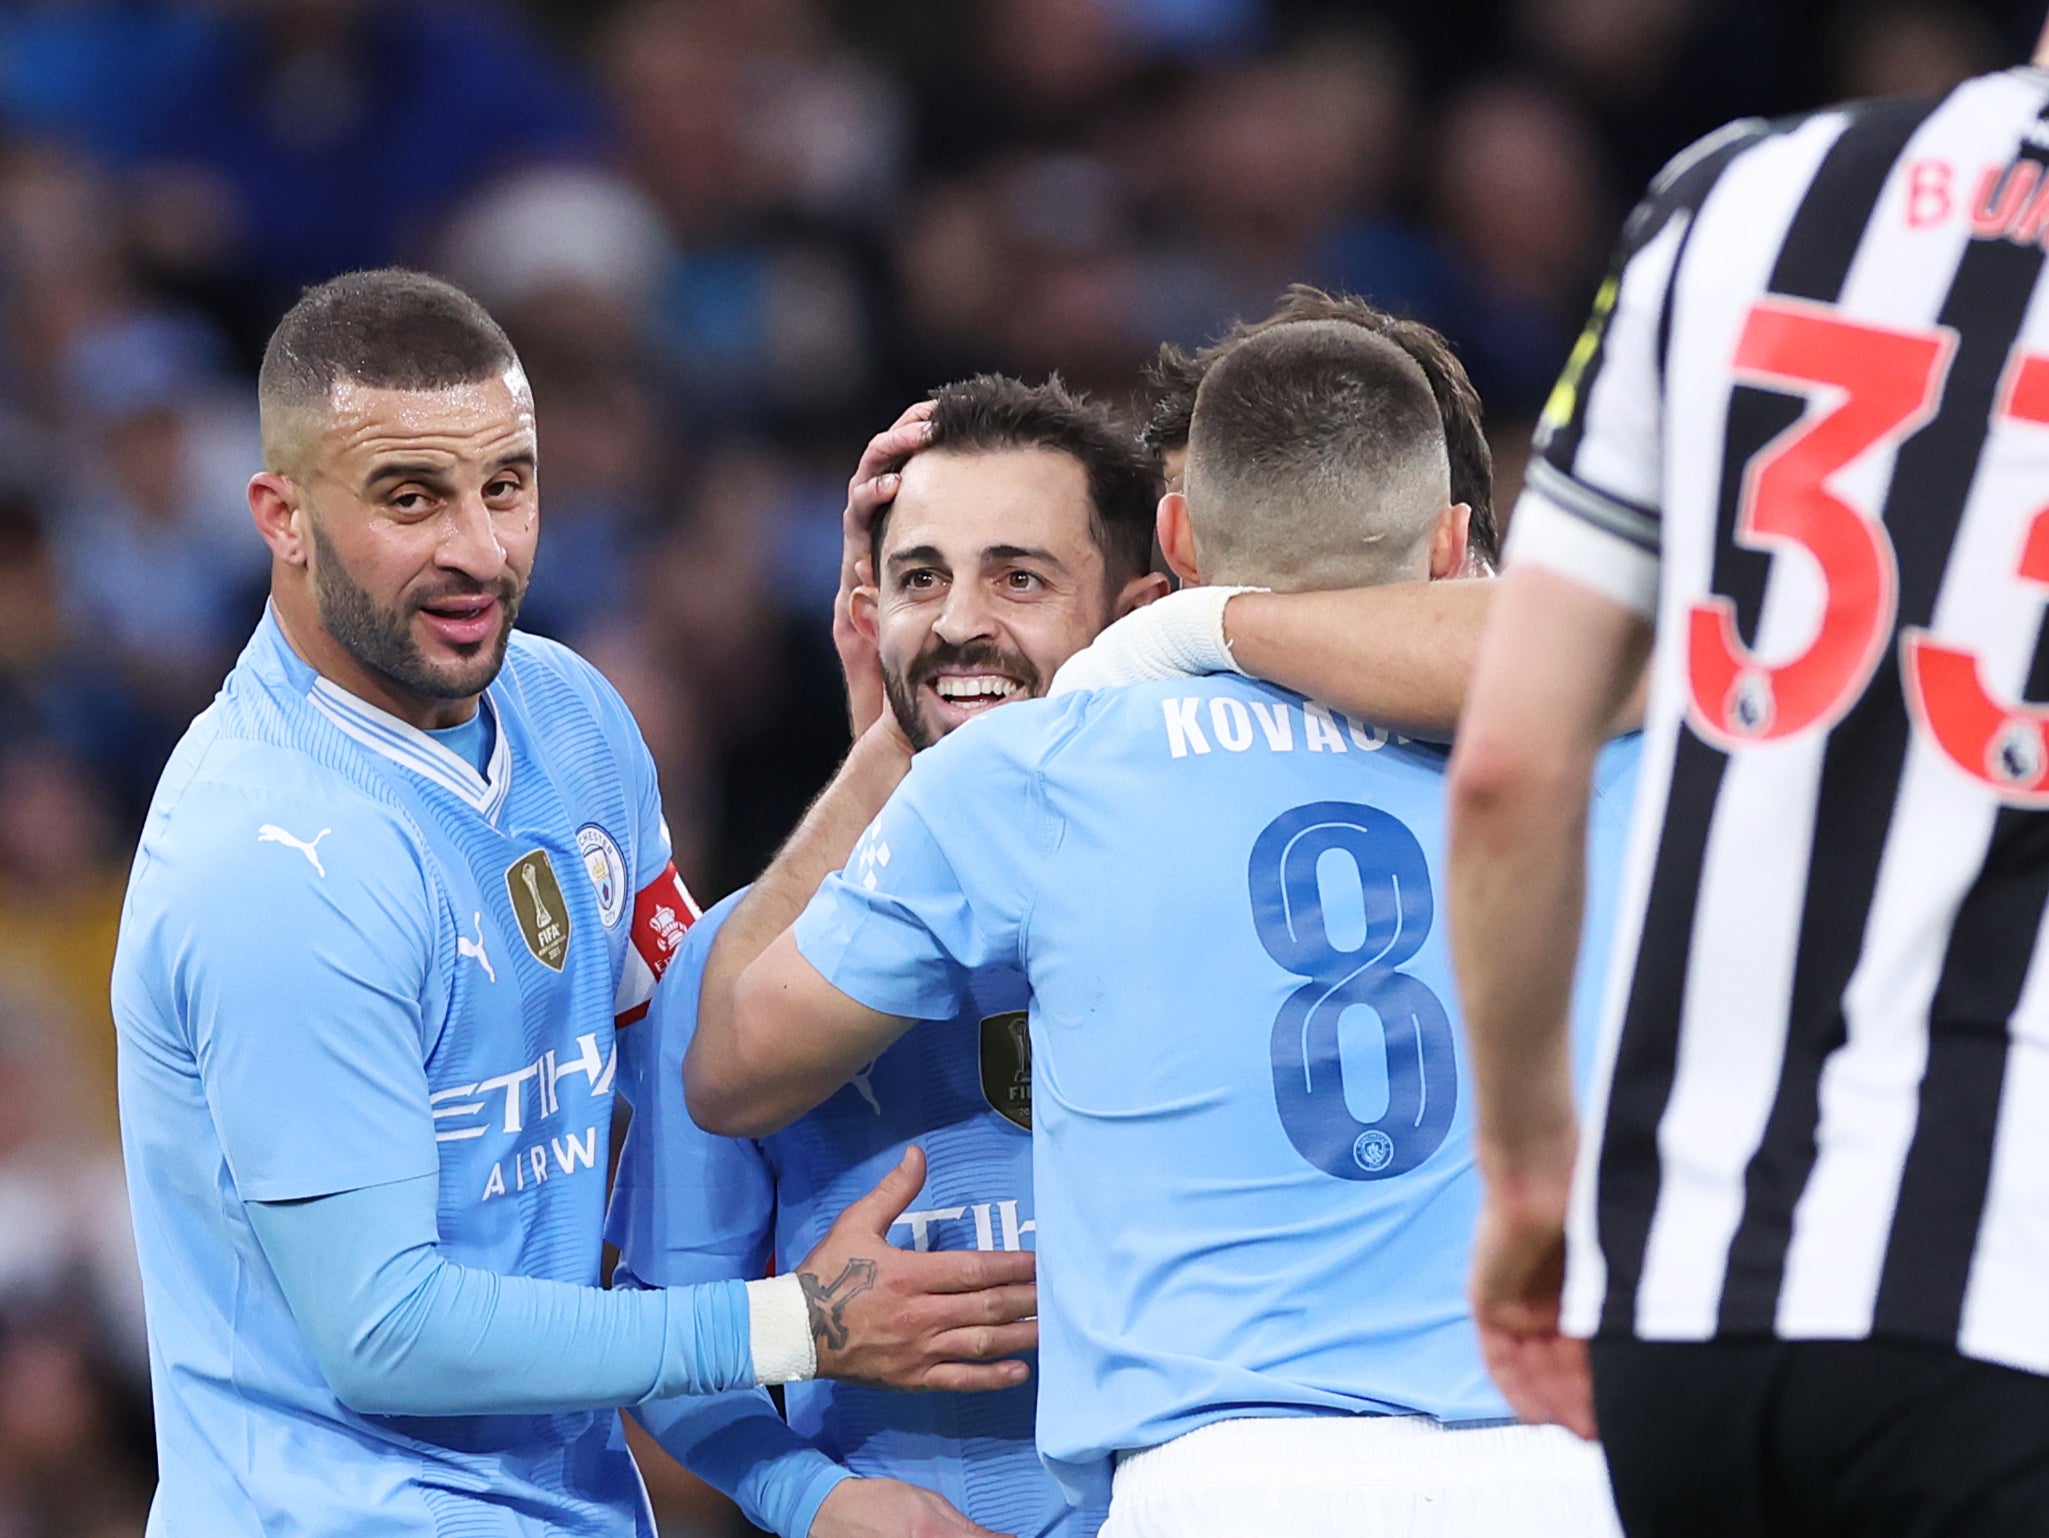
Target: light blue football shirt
{"x":690,"y":1207}
{"x":1253,"y":1164}
{"x":347,"y":958}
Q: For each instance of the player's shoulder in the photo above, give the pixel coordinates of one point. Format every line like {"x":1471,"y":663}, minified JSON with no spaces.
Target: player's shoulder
{"x":217,"y":775}
{"x":545,"y":678}
{"x":1019,"y":736}
{"x":237,"y":815}
{"x":671,"y":1019}
{"x":1683,"y":183}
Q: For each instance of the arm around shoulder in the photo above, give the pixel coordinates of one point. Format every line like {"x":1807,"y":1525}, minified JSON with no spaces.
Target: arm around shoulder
{"x":1400,"y":656}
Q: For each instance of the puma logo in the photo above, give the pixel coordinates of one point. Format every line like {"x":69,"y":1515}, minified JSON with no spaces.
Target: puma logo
{"x":474,"y":949}
{"x":271,"y":833}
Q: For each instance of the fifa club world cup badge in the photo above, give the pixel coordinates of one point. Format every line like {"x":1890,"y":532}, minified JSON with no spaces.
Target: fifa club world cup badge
{"x":538,"y":904}
{"x":1007,"y":1066}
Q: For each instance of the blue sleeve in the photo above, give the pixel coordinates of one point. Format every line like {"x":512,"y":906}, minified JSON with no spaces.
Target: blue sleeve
{"x":658,"y":907}
{"x":689,"y":1207}
{"x":399,"y":1330}
{"x":300,"y":950}
{"x":739,"y":1445}
{"x":940,"y":886}
{"x":652,"y":851}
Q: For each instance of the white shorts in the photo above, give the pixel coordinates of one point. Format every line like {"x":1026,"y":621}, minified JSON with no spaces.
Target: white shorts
{"x":1364,"y":1476}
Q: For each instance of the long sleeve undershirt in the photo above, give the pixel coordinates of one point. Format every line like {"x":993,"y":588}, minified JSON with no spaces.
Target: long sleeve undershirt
{"x":400,"y":1330}
{"x":743,"y":1448}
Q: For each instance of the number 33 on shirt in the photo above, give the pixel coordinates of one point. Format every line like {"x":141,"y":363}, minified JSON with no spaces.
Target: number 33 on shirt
{"x":1877,"y":386}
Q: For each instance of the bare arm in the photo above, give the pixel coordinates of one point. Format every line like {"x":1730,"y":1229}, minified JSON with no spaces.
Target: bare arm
{"x":803,"y":1040}
{"x":1557,"y":664}
{"x":879,"y":758}
{"x":820,"y":846}
{"x":1400,"y":656}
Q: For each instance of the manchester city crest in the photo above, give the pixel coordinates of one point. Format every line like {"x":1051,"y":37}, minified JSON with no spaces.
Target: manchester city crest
{"x":538,"y":904}
{"x":1007,"y":1066}
{"x":607,"y":868}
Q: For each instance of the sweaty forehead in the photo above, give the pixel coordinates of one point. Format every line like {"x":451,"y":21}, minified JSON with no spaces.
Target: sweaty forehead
{"x":961,"y":502}
{"x":482,"y":419}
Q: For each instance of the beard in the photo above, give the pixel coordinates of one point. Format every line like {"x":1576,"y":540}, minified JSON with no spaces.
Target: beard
{"x":900,"y":686}
{"x":382,"y":639}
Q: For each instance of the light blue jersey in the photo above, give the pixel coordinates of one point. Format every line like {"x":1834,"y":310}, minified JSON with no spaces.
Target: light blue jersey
{"x":691,"y":1207}
{"x":1253,"y":1163}
{"x":348,"y":958}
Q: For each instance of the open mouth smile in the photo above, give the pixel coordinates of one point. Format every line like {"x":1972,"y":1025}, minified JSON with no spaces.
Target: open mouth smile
{"x":967,"y":694}
{"x":462,"y":622}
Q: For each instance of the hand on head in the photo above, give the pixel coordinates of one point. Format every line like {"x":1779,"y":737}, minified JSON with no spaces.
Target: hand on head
{"x":872,"y":488}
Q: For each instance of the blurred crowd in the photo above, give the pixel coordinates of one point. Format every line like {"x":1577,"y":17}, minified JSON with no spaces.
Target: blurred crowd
{"x":731,"y":239}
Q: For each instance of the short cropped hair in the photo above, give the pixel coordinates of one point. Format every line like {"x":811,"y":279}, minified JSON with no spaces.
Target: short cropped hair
{"x":1315,"y":459}
{"x":1175,"y":375}
{"x":994,"y":412}
{"x":389,"y":328}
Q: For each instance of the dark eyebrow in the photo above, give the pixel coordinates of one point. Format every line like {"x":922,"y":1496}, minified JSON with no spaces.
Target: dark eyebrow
{"x":1022,"y":553}
{"x":916,"y":555}
{"x":404,"y":470}
{"x":434,"y":475}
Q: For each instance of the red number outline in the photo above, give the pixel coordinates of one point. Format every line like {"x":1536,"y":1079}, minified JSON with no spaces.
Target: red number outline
{"x":1886,"y":383}
{"x":2001,"y":743}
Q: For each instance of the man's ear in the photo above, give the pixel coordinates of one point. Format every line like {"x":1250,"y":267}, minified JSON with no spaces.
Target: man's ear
{"x":1177,"y":538}
{"x":274,"y":503}
{"x":861,"y":606}
{"x":1448,"y":542}
{"x":1139,"y":592}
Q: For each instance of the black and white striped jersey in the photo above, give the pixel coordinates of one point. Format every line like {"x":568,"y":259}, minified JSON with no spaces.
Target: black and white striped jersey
{"x":1807,"y":431}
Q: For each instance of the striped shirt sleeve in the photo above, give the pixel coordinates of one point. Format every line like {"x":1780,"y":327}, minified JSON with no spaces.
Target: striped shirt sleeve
{"x":1592,"y":498}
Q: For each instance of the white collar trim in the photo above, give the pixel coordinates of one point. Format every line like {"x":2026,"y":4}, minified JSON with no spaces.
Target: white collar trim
{"x":410,"y":748}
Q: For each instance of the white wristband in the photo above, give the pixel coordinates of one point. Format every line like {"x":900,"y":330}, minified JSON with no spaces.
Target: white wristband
{"x":779,"y":1331}
{"x":1179,"y":636}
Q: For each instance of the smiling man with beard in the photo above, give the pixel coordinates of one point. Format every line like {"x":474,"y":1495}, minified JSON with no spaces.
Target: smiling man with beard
{"x":397,"y":888}
{"x":1249,"y":1214}
{"x":1022,"y":528}
{"x":992,"y":532}
{"x":1018,"y":527}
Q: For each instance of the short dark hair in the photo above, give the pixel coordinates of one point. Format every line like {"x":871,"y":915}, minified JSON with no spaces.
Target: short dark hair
{"x":1175,"y":375}
{"x":1315,"y":458}
{"x":389,"y":328}
{"x":993,"y":412}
